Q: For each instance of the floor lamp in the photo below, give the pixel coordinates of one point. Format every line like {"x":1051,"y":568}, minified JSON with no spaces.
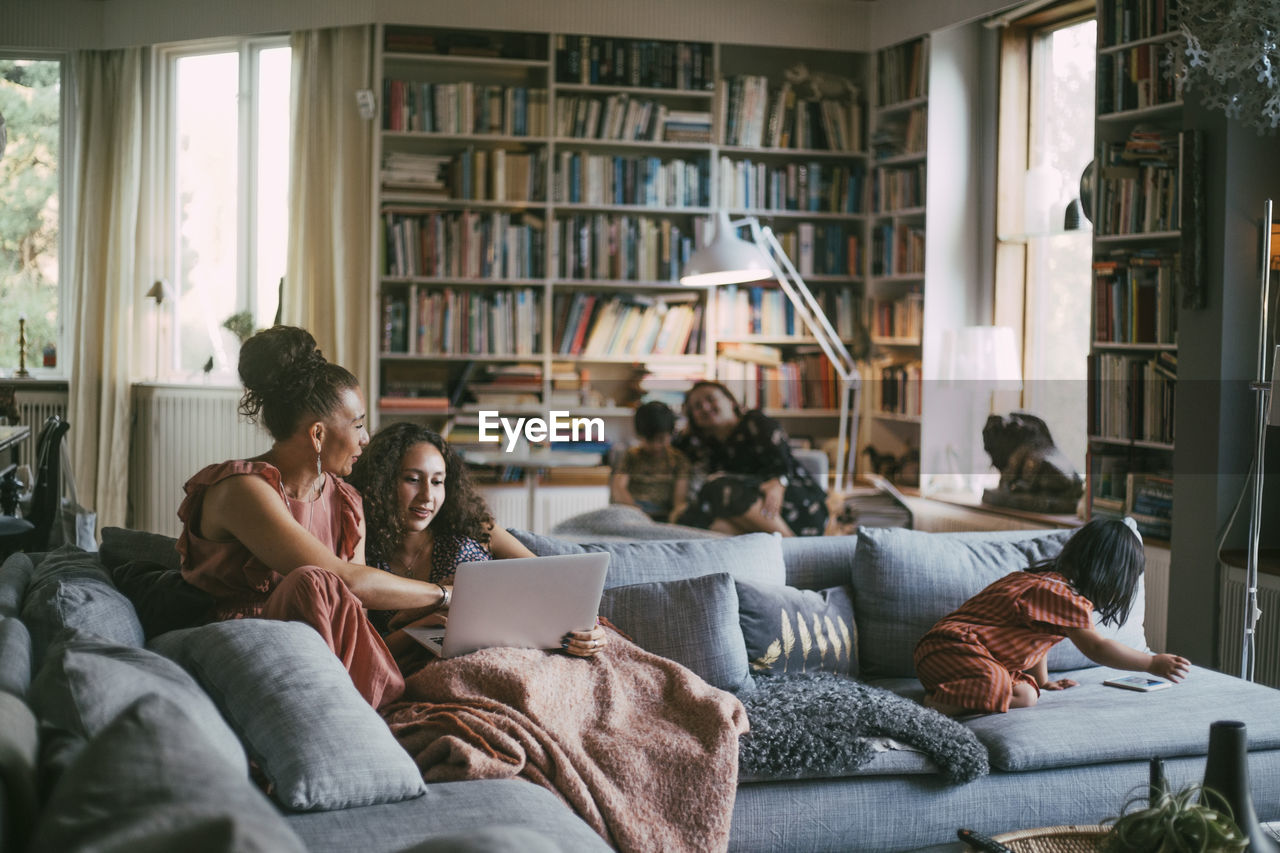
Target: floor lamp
{"x":1267,"y":413}
{"x":159,"y":292}
{"x":728,"y":259}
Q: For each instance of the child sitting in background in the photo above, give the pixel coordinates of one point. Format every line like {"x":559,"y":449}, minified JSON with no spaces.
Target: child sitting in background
{"x":652,"y":475}
{"x":990,"y":654}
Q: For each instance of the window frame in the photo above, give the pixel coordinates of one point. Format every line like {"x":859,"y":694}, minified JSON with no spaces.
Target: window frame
{"x":66,"y":216}
{"x":165,"y":58}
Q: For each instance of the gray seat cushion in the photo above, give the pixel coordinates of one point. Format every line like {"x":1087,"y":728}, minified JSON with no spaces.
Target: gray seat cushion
{"x":755,"y":557}
{"x":1095,"y":724}
{"x":15,"y":657}
{"x":15,"y":574}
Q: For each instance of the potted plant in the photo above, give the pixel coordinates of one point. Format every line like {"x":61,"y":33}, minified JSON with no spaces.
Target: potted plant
{"x":1193,"y":820}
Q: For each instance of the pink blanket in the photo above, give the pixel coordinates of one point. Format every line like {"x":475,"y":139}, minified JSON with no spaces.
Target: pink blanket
{"x":641,"y":748}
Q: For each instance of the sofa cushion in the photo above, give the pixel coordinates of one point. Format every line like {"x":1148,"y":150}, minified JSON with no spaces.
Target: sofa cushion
{"x":85,"y":683}
{"x":755,"y":557}
{"x":798,"y":630}
{"x":15,"y":657}
{"x":904,"y":581}
{"x":83,"y":603}
{"x":693,"y":622}
{"x":15,"y":574}
{"x":120,"y":545}
{"x":819,"y":562}
{"x":1093,"y":724}
{"x":152,"y":781}
{"x":19,"y":740}
{"x":320,"y":745}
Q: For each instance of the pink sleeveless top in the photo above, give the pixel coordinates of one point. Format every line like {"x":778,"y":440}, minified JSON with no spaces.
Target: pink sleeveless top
{"x":228,"y":570}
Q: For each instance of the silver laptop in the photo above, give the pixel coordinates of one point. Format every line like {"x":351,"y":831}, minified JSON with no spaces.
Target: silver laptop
{"x":527,"y":602}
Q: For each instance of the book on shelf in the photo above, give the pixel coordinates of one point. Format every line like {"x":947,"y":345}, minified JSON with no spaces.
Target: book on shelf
{"x":621,"y":247}
{"x":639,"y":180}
{"x":898,"y":187}
{"x":803,"y":380}
{"x":1132,"y":397}
{"x":902,"y":72}
{"x":1139,"y":183}
{"x":463,"y":108}
{"x":422,"y":320}
{"x":413,"y":404}
{"x":751,"y":353}
{"x":1121,"y":21}
{"x":608,"y":61}
{"x":1134,"y":296}
{"x":810,"y":186}
{"x":462,"y":244}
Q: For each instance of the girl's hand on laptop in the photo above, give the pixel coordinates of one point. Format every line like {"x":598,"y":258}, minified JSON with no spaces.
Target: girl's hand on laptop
{"x":585,"y":644}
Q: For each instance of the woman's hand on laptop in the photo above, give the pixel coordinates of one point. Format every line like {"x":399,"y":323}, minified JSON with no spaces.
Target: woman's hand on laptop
{"x":585,"y":644}
{"x":421,"y":617}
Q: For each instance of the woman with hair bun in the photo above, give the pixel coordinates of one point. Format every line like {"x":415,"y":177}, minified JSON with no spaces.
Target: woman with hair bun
{"x":279,"y":536}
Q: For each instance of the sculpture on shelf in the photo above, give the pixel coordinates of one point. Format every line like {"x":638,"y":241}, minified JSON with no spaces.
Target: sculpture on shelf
{"x":1034,"y":474}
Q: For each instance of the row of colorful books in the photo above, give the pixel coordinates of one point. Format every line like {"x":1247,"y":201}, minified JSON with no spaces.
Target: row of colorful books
{"x":426,"y":321}
{"x":471,"y":174}
{"x":1131,"y":397}
{"x":1134,"y":298}
{"x":744,"y":310}
{"x":897,"y":249}
{"x":898,"y":188}
{"x":750,"y":116}
{"x":463,"y":244}
{"x":1123,"y":21}
{"x":1139,"y":190}
{"x":1135,"y":78}
{"x":902,"y":72}
{"x":599,"y":324}
{"x":463,"y":108}
{"x":804,"y":381}
{"x":895,"y":386}
{"x":614,"y":179}
{"x":618,"y":247}
{"x":812,"y":186}
{"x":900,"y":319}
{"x":592,"y":60}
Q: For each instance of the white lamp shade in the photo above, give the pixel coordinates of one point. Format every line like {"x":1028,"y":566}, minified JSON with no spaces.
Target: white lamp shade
{"x":985,"y":354}
{"x":726,"y":259}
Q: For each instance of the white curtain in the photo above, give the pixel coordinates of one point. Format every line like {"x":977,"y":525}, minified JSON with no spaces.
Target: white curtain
{"x":327,"y":279}
{"x":107,"y":171}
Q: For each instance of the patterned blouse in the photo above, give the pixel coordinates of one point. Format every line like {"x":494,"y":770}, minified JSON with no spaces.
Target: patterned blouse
{"x":446,"y":553}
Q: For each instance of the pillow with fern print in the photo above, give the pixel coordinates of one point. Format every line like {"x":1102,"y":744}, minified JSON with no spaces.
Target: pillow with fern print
{"x":798,"y":630}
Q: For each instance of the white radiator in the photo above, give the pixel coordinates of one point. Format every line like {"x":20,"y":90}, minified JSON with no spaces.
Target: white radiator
{"x":34,"y":408}
{"x":509,"y":505}
{"x":557,"y":503}
{"x":1267,"y":633}
{"x":176,"y":432}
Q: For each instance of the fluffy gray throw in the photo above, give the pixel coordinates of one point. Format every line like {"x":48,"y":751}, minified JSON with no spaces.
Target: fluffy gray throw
{"x":816,"y":724}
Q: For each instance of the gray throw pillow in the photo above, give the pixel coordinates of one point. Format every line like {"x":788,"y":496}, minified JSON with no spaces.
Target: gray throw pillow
{"x":15,"y":574}
{"x":83,"y":605}
{"x":693,"y":622}
{"x":152,"y":781}
{"x":318,"y":742}
{"x":120,"y":545}
{"x":755,"y":557}
{"x":798,"y":630}
{"x":15,"y":657}
{"x":85,"y":683}
{"x":904,"y":581}
{"x":162,"y":597}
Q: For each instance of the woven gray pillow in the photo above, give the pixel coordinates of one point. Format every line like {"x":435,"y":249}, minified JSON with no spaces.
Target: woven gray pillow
{"x":904,"y":581}
{"x":83,"y":604}
{"x":85,"y":683}
{"x":121,"y":545}
{"x":693,"y":622}
{"x":287,"y":695}
{"x":755,"y":557}
{"x":152,"y":780}
{"x":15,"y":574}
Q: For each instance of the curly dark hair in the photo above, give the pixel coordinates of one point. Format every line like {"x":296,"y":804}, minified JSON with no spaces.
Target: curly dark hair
{"x":287,"y":379}
{"x":692,"y":427}
{"x":377,"y":473}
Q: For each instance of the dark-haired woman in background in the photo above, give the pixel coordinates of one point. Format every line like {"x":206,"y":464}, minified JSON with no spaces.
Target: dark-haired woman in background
{"x":753,"y":480}
{"x":279,"y":536}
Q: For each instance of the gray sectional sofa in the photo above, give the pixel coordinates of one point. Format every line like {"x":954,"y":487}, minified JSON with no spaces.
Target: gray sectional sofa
{"x":245,"y":736}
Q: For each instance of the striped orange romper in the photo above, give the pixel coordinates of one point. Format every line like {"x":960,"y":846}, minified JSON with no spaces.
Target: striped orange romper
{"x":974,"y":656}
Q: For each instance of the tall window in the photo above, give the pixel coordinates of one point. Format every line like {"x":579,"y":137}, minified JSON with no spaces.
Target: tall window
{"x":30,"y":208}
{"x":227,"y":187}
{"x":1044,"y":286}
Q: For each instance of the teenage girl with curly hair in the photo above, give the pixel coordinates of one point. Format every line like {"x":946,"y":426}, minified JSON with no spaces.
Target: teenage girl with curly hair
{"x":425,"y":517}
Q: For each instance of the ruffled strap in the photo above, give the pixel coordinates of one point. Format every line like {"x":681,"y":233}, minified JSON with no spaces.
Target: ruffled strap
{"x":200,"y":482}
{"x":351,"y":512}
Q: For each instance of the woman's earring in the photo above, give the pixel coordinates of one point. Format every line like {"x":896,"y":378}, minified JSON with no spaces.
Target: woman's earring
{"x":319,"y":473}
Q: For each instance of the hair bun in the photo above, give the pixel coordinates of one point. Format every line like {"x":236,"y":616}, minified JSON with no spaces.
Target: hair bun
{"x":278,"y":360}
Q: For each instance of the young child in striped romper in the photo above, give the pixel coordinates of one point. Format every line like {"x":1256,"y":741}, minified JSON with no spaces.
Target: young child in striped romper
{"x":990,"y":654}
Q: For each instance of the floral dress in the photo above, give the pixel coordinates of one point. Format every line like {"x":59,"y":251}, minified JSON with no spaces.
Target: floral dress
{"x":446,"y":553}
{"x":756,"y":451}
